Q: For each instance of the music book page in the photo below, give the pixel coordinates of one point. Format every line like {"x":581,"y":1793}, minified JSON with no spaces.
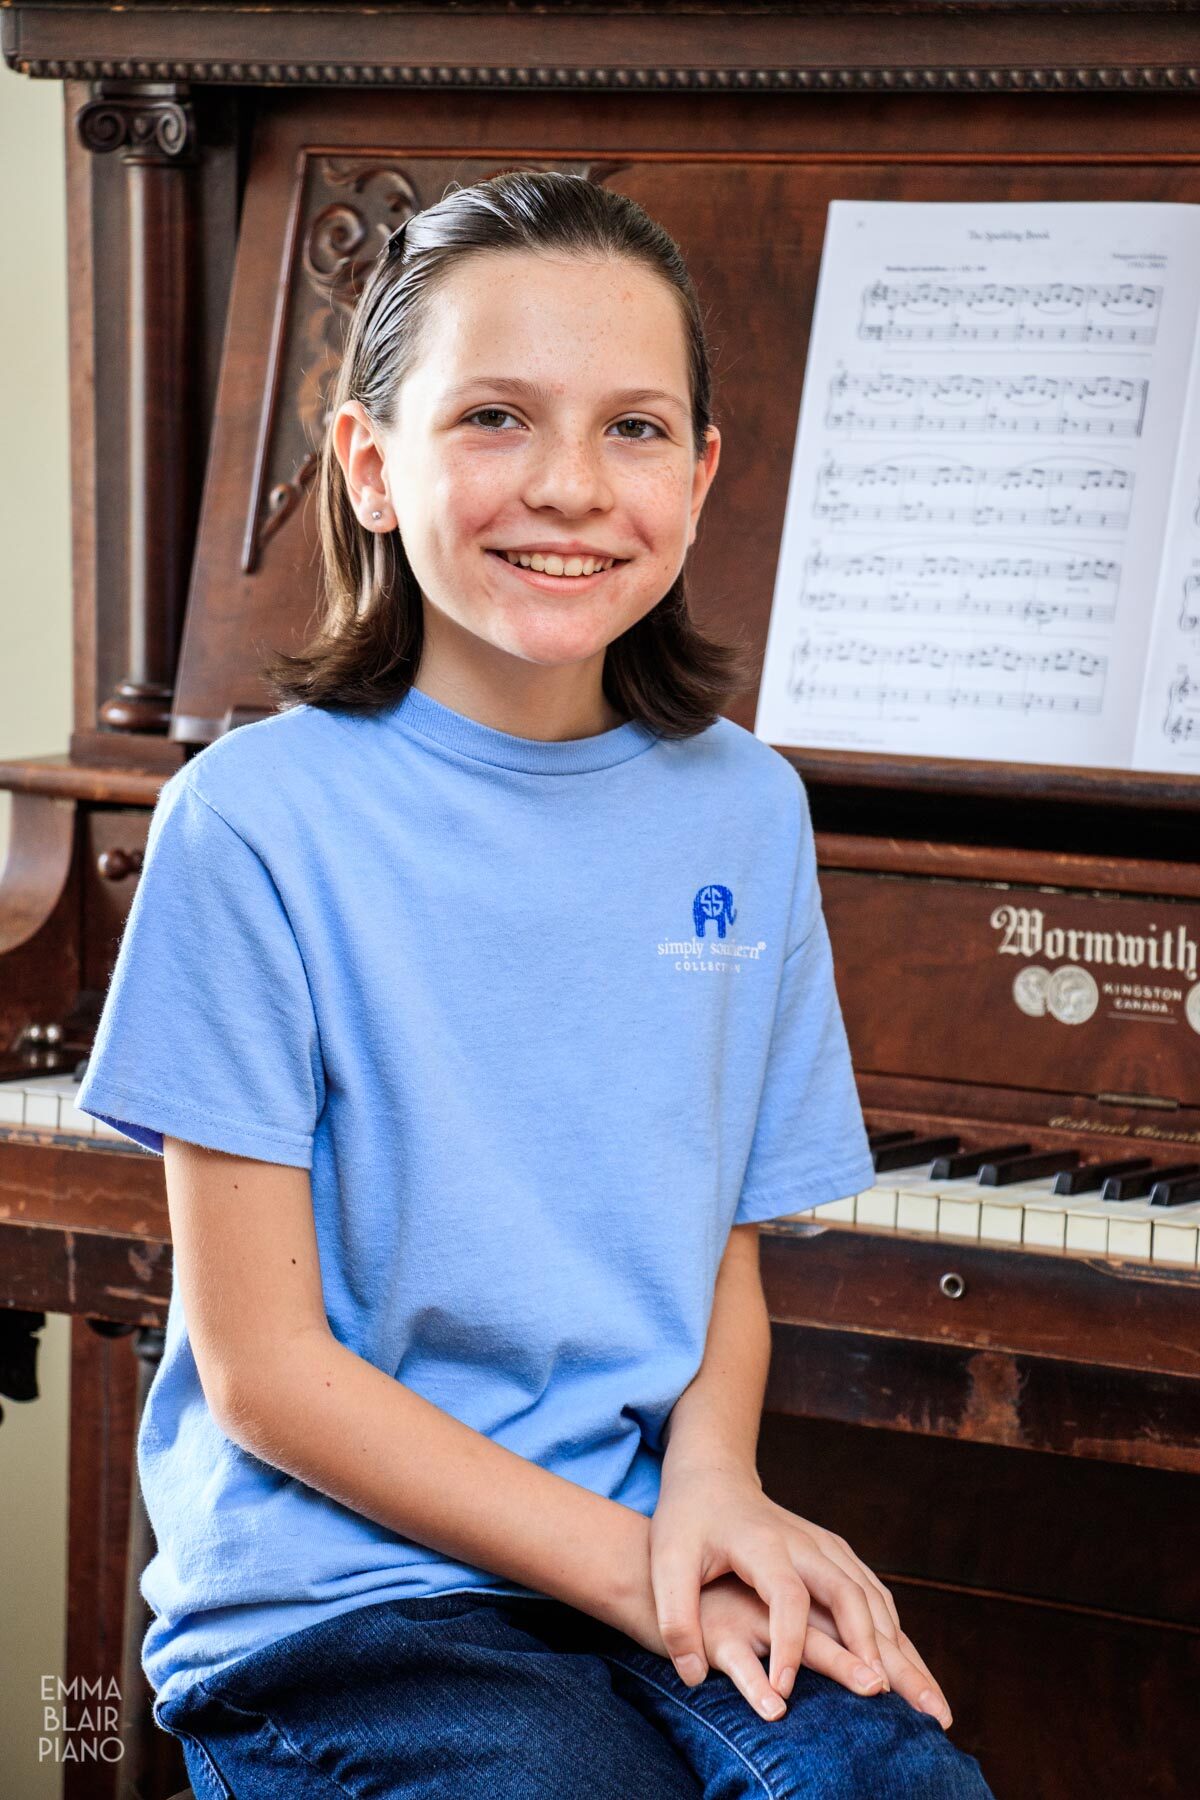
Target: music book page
{"x":989,"y":450}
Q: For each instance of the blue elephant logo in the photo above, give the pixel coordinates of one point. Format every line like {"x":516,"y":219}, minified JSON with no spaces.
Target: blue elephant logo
{"x":713,"y":902}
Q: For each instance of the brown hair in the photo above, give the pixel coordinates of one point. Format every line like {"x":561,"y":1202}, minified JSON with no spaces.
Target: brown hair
{"x":662,"y":672}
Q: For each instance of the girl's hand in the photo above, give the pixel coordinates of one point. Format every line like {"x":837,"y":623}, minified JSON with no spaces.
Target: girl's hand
{"x":710,"y":1522}
{"x":736,"y":1628}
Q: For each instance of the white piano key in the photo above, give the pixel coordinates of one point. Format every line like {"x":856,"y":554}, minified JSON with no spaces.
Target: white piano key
{"x":917,"y":1212}
{"x":958,"y":1218}
{"x":1087,"y":1230}
{"x":837,"y":1209}
{"x":1176,"y":1235}
{"x":12,"y":1103}
{"x":998,"y":1223}
{"x":877,"y":1206}
{"x":41,"y":1108}
{"x":1130,"y":1228}
{"x":1043,"y":1214}
{"x":1044,"y":1227}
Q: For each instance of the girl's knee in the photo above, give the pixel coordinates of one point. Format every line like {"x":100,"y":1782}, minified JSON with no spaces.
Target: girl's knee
{"x":908,"y":1756}
{"x":881,"y":1749}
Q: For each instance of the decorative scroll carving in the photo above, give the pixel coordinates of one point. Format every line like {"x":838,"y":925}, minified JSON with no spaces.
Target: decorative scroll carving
{"x":147,"y":127}
{"x":979,"y":79}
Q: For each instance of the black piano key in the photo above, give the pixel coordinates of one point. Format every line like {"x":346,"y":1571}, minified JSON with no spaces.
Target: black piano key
{"x":1178,"y":1191}
{"x":1026,"y":1168}
{"x":1136,"y":1187}
{"x":914,"y":1153}
{"x":1087,"y":1179}
{"x":966,"y":1162}
{"x":878,"y":1140}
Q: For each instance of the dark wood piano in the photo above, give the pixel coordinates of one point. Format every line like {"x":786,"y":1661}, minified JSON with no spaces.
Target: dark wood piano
{"x":987,"y":1369}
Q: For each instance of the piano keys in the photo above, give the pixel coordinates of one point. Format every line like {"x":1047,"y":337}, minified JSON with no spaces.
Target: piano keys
{"x":1029,"y":1215}
{"x":46,"y":1103}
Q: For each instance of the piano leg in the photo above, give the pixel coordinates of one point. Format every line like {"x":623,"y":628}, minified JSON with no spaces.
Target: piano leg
{"x":110,"y":1544}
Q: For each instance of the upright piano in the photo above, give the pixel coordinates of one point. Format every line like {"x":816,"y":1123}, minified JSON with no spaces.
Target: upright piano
{"x":986,"y":1369}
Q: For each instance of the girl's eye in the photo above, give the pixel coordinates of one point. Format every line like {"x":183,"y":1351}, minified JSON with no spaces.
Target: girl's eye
{"x":489,"y":415}
{"x":643,"y":425}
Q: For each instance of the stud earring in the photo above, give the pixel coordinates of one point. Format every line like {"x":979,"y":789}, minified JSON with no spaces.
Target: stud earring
{"x":377,"y":515}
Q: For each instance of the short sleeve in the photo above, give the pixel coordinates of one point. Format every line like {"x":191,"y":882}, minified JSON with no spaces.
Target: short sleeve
{"x":810,"y":1143}
{"x":207,"y":1032}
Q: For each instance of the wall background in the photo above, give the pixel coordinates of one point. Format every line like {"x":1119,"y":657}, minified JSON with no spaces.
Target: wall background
{"x":35,"y":712}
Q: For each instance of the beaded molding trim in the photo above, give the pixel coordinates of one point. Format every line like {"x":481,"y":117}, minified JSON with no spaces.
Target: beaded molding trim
{"x":835,"y":80}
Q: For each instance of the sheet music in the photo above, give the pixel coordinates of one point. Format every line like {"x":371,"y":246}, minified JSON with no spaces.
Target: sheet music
{"x":980,"y":482}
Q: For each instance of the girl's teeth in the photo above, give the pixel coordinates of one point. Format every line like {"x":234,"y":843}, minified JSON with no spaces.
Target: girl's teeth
{"x":557,"y":565}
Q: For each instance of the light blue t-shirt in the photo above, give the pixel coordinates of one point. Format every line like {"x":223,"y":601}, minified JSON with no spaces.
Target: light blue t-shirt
{"x":544,"y":1020}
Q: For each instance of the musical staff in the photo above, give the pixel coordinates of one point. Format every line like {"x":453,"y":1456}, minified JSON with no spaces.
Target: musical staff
{"x":900,"y":702}
{"x":1036,"y":592}
{"x":1107,"y":406}
{"x":928,"y":492}
{"x":989,"y":312}
{"x":988,"y":674}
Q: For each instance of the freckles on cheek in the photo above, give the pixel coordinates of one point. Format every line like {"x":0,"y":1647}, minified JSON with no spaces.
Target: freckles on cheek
{"x":469,"y":496}
{"x":661,"y":502}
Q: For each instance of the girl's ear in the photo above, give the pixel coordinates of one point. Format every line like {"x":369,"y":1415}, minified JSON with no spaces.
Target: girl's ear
{"x":706,"y":468}
{"x":359,"y":447}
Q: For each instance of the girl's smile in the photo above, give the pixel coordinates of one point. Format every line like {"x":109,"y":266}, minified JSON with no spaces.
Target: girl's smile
{"x":564,"y":570}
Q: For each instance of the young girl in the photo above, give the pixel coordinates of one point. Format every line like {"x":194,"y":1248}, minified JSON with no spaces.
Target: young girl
{"x":481,"y":1004}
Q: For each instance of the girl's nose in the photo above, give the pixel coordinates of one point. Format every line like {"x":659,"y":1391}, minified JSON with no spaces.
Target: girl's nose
{"x":568,"y":475}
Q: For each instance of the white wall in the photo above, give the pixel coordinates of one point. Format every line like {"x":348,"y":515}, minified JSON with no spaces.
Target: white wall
{"x":35,"y":702}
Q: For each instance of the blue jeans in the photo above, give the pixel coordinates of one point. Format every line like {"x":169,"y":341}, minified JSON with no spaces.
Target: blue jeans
{"x":496,"y":1697}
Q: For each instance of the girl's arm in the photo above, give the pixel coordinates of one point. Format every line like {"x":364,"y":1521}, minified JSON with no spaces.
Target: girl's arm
{"x":280,"y":1384}
{"x":717,"y":1418}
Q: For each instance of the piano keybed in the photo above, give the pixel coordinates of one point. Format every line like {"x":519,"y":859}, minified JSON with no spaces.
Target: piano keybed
{"x":1026,"y":1213}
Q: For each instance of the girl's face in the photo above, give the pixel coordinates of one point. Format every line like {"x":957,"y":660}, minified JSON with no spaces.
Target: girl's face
{"x":546,"y":421}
